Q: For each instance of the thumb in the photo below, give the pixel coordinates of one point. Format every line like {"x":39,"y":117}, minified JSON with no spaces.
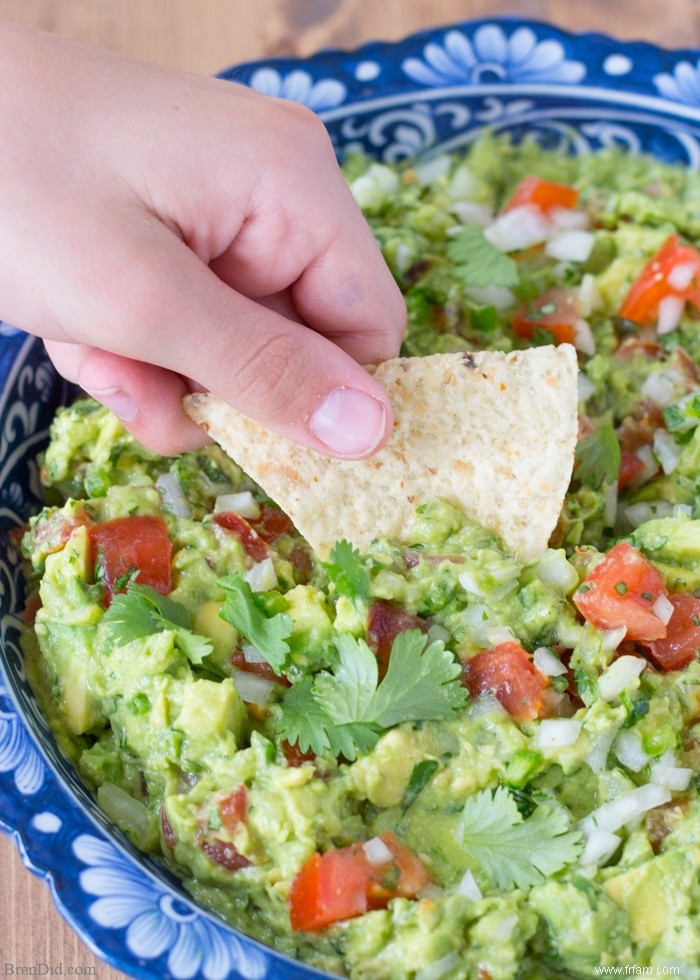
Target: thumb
{"x":177,"y":320}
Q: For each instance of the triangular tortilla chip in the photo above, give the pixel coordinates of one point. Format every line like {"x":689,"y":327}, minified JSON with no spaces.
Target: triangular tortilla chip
{"x":491,"y":432}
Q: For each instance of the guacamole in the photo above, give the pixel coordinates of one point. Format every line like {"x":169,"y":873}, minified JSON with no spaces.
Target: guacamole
{"x":431,"y":759}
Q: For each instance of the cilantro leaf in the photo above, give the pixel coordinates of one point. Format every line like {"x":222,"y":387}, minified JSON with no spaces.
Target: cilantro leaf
{"x":347,"y":710}
{"x":142,"y":610}
{"x":598,"y":458}
{"x":267,"y":634}
{"x":478,"y":262}
{"x":511,"y":851}
{"x":346,"y":571}
{"x":421,"y":775}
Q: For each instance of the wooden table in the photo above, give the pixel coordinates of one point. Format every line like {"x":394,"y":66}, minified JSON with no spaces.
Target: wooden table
{"x":206,"y":36}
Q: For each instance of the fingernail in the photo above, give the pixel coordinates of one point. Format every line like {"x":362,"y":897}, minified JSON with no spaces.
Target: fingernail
{"x":117,"y":400}
{"x":348,"y":422}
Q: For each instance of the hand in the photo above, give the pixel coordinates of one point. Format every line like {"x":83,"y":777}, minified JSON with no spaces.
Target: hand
{"x":164,"y":231}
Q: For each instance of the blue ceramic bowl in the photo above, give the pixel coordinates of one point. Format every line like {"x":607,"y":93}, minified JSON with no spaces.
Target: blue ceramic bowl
{"x":432,"y":92}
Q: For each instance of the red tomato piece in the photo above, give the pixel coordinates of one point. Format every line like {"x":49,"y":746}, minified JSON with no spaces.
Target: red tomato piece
{"x":557,"y":310}
{"x":342,"y":884}
{"x":385,"y":623}
{"x":224,"y":854}
{"x":546,"y":194}
{"x":630,"y":468}
{"x":272,"y":523}
{"x":128,"y":545}
{"x":641,"y":305}
{"x":681,"y":644}
{"x":239,"y":661}
{"x":233,"y":808}
{"x":621,"y":591}
{"x":253,"y":544}
{"x":510,"y":674}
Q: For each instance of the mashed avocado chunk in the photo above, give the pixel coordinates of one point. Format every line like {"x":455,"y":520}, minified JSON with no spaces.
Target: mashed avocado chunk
{"x":431,"y":759}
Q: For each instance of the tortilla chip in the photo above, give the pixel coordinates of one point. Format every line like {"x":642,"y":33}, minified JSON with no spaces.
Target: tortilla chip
{"x":493,"y":433}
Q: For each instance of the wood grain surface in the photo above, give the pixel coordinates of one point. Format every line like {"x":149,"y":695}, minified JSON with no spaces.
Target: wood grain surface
{"x":207,"y":36}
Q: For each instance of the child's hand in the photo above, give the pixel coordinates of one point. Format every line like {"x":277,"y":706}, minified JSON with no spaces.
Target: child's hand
{"x":164,"y":231}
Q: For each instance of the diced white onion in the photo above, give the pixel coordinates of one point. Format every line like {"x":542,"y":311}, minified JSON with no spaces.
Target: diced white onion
{"x":651,"y":467}
{"x":499,"y":634}
{"x":262,"y":576}
{"x":252,"y":654}
{"x":556,"y":733}
{"x":472,"y":213}
{"x":570,"y":246}
{"x":630,"y":752}
{"x":637,"y":514}
{"x":597,"y":758}
{"x":469,"y":584}
{"x":667,"y":450}
{"x":620,"y":676}
{"x":681,"y":275}
{"x":682,"y":510}
{"x":499,"y":297}
{"x":660,"y":386}
{"x":485,"y":704}
{"x":568,"y":219}
{"x":430,"y":171}
{"x":589,"y":295}
{"x":468,"y":887}
{"x":377,"y":852}
{"x":671,"y":777}
{"x":402,"y":257}
{"x":663,"y":609}
{"x":439,"y":968}
{"x":583,"y":338}
{"x":615,"y":814}
{"x":518,"y":228}
{"x":174,"y":500}
{"x":586,"y":388}
{"x":613,"y":638}
{"x":553,"y":568}
{"x":671,"y":309}
{"x":244,"y":504}
{"x":504,"y":929}
{"x":600,"y":847}
{"x":438,"y":633}
{"x":432,"y":892}
{"x":252,"y":688}
{"x":547,"y":662}
{"x":375,"y":185}
{"x":463,"y":185}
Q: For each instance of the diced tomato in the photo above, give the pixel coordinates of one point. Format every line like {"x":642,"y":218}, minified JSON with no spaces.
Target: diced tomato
{"x":168,"y":835}
{"x":556,"y":310}
{"x":128,"y":545}
{"x":233,"y":809}
{"x":546,"y":194}
{"x":262,"y":669}
{"x":343,"y":884}
{"x":253,"y":544}
{"x":272,"y":523}
{"x":385,"y":623}
{"x":630,"y":468}
{"x":681,"y":644}
{"x":509,"y":673}
{"x":641,"y":305}
{"x":621,"y":591}
{"x":224,"y":854}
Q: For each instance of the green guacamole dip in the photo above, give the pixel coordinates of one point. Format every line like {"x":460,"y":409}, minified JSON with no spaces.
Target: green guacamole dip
{"x":430,"y":760}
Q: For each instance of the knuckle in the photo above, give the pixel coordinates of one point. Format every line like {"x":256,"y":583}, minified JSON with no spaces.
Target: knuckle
{"x":268,"y":377}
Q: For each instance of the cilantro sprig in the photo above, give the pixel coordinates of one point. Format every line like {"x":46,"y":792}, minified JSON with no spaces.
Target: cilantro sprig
{"x":477,"y":262}
{"x":243,"y":609}
{"x":347,"y":572}
{"x":597,"y":458}
{"x":513,"y":852}
{"x":345,"y":710}
{"x":141,"y":611}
